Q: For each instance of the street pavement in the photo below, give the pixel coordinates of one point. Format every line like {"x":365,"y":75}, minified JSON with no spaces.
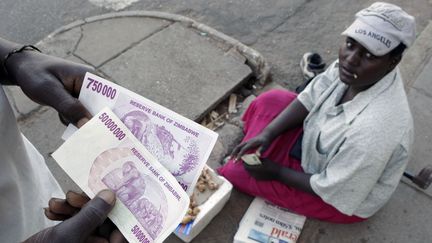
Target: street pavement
{"x":192,"y":69}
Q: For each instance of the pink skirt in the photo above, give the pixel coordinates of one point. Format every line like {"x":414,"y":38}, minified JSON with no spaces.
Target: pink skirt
{"x":258,"y":115}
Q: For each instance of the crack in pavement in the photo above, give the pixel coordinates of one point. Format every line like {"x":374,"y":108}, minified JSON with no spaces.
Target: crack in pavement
{"x":134,"y":44}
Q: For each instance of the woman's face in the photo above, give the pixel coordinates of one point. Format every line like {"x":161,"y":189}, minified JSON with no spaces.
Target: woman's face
{"x":359,"y":68}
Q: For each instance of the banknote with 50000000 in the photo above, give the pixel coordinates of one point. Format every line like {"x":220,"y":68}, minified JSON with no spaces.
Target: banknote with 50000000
{"x":105,"y":154}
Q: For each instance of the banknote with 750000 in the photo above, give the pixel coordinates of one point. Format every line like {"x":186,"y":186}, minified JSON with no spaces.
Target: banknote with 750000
{"x":178,"y":143}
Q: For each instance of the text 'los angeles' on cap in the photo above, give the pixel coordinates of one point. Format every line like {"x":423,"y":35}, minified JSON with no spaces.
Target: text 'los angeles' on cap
{"x":381,"y":27}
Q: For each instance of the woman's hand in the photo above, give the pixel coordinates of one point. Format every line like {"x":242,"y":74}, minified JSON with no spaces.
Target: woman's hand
{"x":261,"y":142}
{"x":268,"y":170}
{"x":84,"y":220}
{"x":51,"y":81}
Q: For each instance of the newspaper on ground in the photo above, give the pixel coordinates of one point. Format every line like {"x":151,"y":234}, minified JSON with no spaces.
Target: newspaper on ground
{"x":105,"y":154}
{"x":178,"y":143}
{"x":265,"y":222}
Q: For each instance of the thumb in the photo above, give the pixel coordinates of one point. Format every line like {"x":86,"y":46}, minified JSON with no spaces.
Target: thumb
{"x":70,"y":109}
{"x":261,"y":150}
{"x":92,"y":215}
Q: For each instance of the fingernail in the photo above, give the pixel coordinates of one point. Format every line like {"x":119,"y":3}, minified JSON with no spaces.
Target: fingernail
{"x":107,"y":195}
{"x":59,"y":200}
{"x":46,"y":211}
{"x":82,"y":121}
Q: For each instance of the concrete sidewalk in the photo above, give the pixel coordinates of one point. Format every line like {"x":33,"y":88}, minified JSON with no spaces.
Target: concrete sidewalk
{"x":192,"y":69}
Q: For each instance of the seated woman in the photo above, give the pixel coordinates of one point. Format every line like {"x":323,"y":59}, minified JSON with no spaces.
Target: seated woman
{"x":337,"y":151}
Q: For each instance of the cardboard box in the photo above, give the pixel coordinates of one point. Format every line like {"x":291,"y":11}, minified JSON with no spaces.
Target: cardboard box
{"x":210,"y":208}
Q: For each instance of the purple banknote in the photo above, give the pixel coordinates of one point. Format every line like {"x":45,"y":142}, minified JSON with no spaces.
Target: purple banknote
{"x":105,"y":154}
{"x":181,"y":145}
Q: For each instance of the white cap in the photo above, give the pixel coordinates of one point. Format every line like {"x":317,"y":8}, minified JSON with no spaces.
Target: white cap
{"x":381,"y":27}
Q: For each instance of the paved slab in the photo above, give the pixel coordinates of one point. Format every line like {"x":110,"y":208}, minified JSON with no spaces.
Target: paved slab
{"x":179,"y":69}
{"x":169,"y":63}
{"x":122,"y":33}
{"x":417,"y":57}
{"x":423,"y":83}
{"x":62,"y":44}
{"x":420,"y":98}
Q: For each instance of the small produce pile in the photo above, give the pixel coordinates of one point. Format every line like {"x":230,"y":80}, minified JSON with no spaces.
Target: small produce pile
{"x":205,"y":186}
{"x":206,"y":181}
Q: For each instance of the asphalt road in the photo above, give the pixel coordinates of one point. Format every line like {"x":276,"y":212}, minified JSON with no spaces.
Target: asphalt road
{"x":282,"y":30}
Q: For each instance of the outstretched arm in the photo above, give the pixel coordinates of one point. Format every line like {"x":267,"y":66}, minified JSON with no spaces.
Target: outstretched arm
{"x":270,"y":170}
{"x":47,"y":80}
{"x":292,"y":116}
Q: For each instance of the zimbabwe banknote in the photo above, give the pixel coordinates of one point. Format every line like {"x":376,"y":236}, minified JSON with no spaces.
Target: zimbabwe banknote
{"x":178,"y":143}
{"x":105,"y":154}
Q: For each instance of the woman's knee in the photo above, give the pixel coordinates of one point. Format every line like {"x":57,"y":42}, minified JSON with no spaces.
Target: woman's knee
{"x":276,"y":96}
